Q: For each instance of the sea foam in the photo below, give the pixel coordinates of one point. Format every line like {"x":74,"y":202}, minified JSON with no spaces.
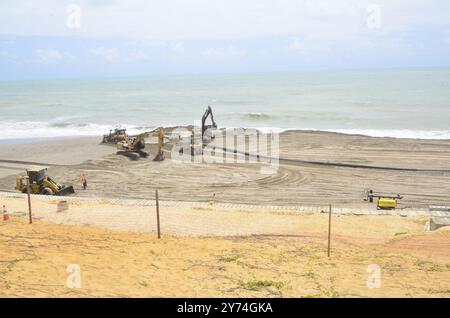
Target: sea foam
{"x":31,"y":129}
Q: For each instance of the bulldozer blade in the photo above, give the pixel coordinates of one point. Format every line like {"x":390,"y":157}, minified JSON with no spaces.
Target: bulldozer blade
{"x":65,"y":191}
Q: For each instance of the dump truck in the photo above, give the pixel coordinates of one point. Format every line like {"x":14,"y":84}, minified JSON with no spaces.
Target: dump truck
{"x":41,"y":183}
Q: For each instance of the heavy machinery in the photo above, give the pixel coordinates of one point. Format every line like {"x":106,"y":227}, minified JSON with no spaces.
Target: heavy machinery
{"x":134,"y":147}
{"x":205,"y":127}
{"x":384,"y":202}
{"x":41,"y":183}
{"x":198,"y":142}
{"x":160,"y":153}
{"x":115,"y":136}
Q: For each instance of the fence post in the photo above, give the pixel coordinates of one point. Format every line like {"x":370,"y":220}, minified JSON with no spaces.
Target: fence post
{"x":30,"y":216}
{"x":157,"y":215}
{"x":329,"y":230}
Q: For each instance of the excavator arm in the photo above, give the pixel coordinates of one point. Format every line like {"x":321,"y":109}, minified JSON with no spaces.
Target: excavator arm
{"x":160,"y":154}
{"x":205,"y":127}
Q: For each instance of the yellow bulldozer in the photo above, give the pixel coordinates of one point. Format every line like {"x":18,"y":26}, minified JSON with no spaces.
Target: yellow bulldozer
{"x":134,"y":147}
{"x":115,"y":136}
{"x":41,"y":183}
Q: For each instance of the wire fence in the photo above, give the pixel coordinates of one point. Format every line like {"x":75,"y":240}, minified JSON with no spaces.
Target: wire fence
{"x":182,"y":218}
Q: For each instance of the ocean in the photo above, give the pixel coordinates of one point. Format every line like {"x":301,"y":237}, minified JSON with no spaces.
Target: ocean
{"x":409,"y":103}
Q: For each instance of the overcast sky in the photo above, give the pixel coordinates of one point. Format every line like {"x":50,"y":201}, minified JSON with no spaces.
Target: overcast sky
{"x":96,"y":38}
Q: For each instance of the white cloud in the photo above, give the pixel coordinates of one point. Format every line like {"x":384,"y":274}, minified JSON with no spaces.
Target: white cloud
{"x":221,"y":53}
{"x":447,"y":38}
{"x":148,"y":43}
{"x":307,"y":46}
{"x":177,"y":20}
{"x":178,"y":47}
{"x":47,"y":56}
{"x":108,"y":54}
{"x":138,"y":55}
{"x":7,"y":56}
{"x":295,"y":45}
{"x":165,"y":28}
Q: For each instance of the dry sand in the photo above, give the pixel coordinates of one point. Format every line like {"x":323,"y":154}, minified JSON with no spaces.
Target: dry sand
{"x":228,"y":252}
{"x":292,"y":184}
{"x":34,"y":262}
{"x":185,"y":219}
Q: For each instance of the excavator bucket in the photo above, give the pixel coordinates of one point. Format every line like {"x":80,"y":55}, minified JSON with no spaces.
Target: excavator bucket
{"x":159,"y":157}
{"x":66,"y":191}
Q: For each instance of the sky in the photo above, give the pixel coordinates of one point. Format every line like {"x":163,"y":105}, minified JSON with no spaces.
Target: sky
{"x":114,"y":38}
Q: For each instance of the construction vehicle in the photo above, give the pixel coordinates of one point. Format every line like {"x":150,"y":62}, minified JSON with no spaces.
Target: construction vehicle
{"x":198,"y":142}
{"x":41,"y":183}
{"x":134,"y":147}
{"x":205,"y":127}
{"x":159,"y":153}
{"x":384,"y":202}
{"x":115,"y":136}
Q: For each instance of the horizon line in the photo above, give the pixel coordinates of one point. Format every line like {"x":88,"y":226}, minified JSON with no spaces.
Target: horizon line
{"x":317,"y":70}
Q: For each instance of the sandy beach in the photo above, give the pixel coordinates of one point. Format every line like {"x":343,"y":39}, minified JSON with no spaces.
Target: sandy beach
{"x":37,"y":260}
{"x":228,"y":230}
{"x":293,"y":183}
{"x":61,"y":151}
{"x":225,"y":149}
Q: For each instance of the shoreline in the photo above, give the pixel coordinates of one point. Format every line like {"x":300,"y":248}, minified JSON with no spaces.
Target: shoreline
{"x":337,"y":132}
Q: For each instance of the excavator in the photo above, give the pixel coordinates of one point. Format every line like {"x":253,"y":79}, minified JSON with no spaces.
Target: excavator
{"x":41,"y":183}
{"x":160,"y":154}
{"x":197,"y":142}
{"x":205,"y":127}
{"x":133,"y":147}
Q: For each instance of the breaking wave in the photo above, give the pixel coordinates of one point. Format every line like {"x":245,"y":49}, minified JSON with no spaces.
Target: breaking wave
{"x":34,"y":129}
{"x":251,"y":116}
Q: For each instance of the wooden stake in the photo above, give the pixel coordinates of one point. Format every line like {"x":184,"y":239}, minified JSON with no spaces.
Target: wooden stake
{"x":329,"y":230}
{"x":157,"y":215}
{"x":30,"y":216}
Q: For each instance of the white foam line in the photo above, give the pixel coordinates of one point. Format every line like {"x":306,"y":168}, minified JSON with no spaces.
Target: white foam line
{"x":30,"y":129}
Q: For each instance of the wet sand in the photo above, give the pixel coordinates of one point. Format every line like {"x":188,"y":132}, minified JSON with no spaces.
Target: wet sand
{"x":61,"y":151}
{"x":110,"y":175}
